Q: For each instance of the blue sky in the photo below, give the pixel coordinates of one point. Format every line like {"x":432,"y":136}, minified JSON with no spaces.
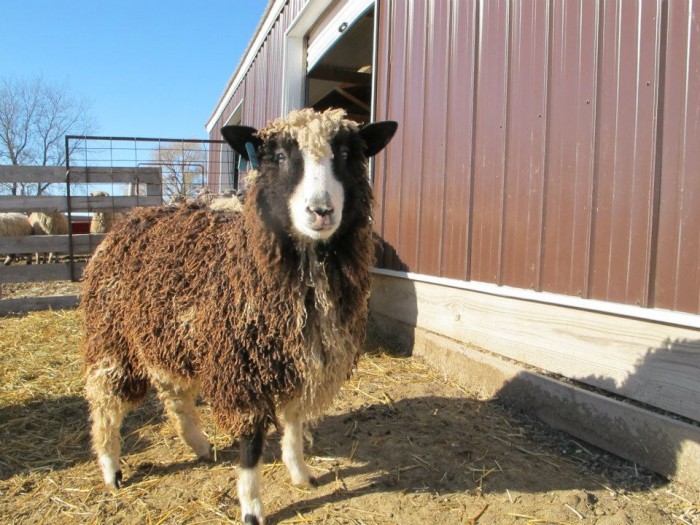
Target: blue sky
{"x":148,"y":68}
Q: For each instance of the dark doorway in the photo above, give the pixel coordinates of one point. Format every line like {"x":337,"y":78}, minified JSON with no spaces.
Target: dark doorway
{"x":342,"y":78}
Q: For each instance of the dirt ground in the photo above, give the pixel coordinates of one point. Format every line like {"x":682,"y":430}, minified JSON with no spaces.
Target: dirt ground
{"x":401,"y":446}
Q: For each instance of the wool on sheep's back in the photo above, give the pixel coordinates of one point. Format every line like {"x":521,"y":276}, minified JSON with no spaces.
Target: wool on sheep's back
{"x":189,"y":291}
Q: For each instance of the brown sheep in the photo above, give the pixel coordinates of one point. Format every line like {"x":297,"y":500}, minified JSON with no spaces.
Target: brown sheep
{"x":262,"y":311}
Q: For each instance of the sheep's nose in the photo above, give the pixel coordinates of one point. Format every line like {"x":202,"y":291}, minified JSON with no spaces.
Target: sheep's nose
{"x":321,"y":211}
{"x":320,"y":205}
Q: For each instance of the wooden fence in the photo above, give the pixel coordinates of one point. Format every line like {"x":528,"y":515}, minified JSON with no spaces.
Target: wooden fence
{"x":77,"y":245}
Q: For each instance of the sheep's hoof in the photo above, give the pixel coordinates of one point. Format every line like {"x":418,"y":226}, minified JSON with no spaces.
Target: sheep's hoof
{"x":205,"y":459}
{"x":250,"y":519}
{"x":309,"y":483}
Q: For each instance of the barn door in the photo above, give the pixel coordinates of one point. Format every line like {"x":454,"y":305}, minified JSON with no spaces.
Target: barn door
{"x":331,"y":26}
{"x":339,"y":59}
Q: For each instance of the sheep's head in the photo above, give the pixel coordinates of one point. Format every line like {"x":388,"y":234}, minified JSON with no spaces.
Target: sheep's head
{"x":313,"y":168}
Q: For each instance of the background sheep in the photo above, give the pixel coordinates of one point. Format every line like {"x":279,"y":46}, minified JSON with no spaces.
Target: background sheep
{"x":48,"y":223}
{"x":227,"y":203}
{"x":177,"y":200}
{"x":264,"y":312}
{"x":103,"y":221}
{"x":204,"y":196}
{"x":14,"y":225}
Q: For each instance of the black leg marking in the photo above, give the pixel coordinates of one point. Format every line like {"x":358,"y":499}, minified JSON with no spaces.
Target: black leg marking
{"x":250,"y":449}
{"x":251,"y":520}
{"x":118,"y":480}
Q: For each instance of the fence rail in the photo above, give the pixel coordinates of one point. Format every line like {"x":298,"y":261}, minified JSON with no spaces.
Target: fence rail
{"x":76,"y":204}
{"x":80,"y":174}
{"x":134,"y":171}
{"x":145,"y":182}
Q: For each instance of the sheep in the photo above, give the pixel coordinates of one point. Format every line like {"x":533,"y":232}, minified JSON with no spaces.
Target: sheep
{"x":177,"y":200}
{"x":48,"y":223}
{"x":262,"y":312}
{"x":229,"y":203}
{"x":204,"y":196}
{"x":14,"y":225}
{"x":103,"y":221}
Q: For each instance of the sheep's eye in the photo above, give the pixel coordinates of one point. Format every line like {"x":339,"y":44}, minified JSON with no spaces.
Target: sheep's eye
{"x":280,"y":156}
{"x":344,"y":155}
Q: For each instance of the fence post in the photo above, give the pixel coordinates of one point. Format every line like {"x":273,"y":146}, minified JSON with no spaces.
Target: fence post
{"x":70,"y":214}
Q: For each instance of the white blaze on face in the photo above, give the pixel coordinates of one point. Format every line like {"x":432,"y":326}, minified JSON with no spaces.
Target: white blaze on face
{"x":316,"y":205}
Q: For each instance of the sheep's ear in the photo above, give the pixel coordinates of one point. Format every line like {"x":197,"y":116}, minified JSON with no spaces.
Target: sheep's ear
{"x":237,"y":136}
{"x":377,"y":135}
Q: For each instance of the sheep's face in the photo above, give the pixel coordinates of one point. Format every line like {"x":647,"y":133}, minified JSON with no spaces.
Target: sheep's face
{"x":312,"y":170}
{"x":316,"y":202}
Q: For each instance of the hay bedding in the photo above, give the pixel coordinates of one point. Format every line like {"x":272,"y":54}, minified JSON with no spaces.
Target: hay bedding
{"x":40,"y":289}
{"x":401,"y":445}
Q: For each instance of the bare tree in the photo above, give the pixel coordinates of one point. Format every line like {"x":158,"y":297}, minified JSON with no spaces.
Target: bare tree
{"x":184,"y":168}
{"x":34,"y":119}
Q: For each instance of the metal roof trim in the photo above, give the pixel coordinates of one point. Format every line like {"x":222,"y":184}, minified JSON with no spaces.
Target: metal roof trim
{"x":272,"y":11}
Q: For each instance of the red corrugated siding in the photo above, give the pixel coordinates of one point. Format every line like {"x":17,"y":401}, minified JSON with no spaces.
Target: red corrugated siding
{"x":459,"y":94}
{"x":390,"y":174}
{"x":625,"y":148}
{"x":489,"y":140}
{"x":567,"y":180}
{"x":677,"y":261}
{"x":547,"y":145}
{"x":550,"y":145}
{"x":525,"y":145}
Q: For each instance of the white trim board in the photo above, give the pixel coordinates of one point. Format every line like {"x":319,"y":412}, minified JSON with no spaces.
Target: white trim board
{"x":294,"y":54}
{"x":657,"y":315}
{"x":653,"y":363}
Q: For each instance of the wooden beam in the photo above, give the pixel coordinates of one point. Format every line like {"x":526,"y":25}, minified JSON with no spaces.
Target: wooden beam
{"x":32,"y":304}
{"x":352,"y":98}
{"x":83,"y":243}
{"x":28,"y":174}
{"x":32,"y":273}
{"x":653,"y":363}
{"x":342,"y":75}
{"x":80,"y":174}
{"x":78,"y":203}
{"x":663,"y":444}
{"x":92,"y":174}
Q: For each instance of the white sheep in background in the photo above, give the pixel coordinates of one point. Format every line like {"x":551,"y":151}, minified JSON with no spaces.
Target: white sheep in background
{"x":264,"y":313}
{"x":14,"y":225}
{"x":204,"y":196}
{"x":103,"y":221}
{"x":229,"y":202}
{"x":48,"y":223}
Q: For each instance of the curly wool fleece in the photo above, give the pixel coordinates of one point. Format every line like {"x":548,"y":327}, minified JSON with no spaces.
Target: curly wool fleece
{"x":311,"y":130}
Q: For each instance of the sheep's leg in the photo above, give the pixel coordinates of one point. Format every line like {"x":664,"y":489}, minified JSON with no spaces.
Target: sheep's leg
{"x":293,"y":450}
{"x":179,"y":403}
{"x":249,"y":477}
{"x":107,"y":411}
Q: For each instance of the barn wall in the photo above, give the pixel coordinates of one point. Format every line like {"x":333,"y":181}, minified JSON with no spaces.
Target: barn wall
{"x":261,"y":90}
{"x":552,"y":146}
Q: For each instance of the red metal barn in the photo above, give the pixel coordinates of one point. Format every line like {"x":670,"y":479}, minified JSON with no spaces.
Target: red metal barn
{"x":541,"y":200}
